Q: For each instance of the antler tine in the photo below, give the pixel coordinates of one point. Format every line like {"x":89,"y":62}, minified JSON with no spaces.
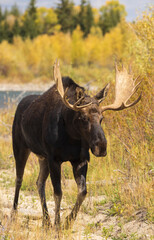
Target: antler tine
{"x":63,"y":94}
{"x":57,"y":78}
{"x":105,"y":92}
{"x":116,"y":67}
{"x":137,"y":78}
{"x":133,"y":92}
{"x":75,"y":106}
{"x":78,"y":108}
{"x":59,"y":84}
{"x":125,"y":88}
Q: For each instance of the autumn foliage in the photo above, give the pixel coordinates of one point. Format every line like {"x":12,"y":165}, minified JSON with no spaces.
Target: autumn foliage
{"x":28,"y":59}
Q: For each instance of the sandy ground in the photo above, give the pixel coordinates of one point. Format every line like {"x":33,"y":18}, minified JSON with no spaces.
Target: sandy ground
{"x":113,"y":227}
{"x":25,"y":86}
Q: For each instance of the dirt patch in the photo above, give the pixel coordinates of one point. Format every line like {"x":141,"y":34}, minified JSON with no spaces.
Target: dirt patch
{"x":89,"y":225}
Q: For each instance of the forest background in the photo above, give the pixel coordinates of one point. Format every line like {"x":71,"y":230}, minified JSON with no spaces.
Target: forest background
{"x":88,"y":42}
{"x":80,"y":36}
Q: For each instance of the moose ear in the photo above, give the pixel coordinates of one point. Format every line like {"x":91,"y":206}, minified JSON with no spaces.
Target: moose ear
{"x":100,"y":96}
{"x":79,"y":93}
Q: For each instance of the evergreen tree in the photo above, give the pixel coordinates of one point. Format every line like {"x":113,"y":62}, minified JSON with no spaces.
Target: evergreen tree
{"x":82,"y":15}
{"x":89,"y":19}
{"x":65,"y":15}
{"x":1,"y":14}
{"x":30,"y":28}
{"x":1,"y":32}
{"x":5,"y":14}
{"x":111,"y":15}
{"x":15,"y":10}
{"x":7,"y":32}
{"x":85,"y":17}
{"x":32,"y":9}
{"x":16,"y":28}
{"x":1,"y":25}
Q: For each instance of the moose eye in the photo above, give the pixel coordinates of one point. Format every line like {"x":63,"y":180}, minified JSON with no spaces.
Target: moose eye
{"x":84,"y":120}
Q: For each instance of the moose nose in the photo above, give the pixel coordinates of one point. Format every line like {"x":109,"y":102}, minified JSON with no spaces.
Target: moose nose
{"x":104,"y":153}
{"x":99,"y":148}
{"x":98,"y":141}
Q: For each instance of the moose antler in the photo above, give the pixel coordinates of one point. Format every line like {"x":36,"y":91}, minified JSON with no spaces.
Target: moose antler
{"x":124,"y":89}
{"x":59,"y":84}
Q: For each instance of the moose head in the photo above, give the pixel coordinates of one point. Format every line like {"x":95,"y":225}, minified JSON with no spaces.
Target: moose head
{"x":89,"y":110}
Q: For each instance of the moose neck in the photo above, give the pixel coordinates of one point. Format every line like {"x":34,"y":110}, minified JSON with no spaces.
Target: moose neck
{"x":69,"y":116}
{"x":73,"y":132}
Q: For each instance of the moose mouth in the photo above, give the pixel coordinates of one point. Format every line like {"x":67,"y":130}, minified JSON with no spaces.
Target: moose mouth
{"x":98,"y":152}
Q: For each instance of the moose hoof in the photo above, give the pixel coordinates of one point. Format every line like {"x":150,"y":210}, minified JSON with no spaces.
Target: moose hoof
{"x":46,"y":223}
{"x":57,"y":227}
{"x":13,"y":216}
{"x":67,"y":223}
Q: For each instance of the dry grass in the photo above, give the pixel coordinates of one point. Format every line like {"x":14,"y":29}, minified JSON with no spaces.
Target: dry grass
{"x":124,"y":178}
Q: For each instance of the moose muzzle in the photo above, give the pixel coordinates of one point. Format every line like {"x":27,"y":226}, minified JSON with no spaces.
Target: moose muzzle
{"x":98,"y":142}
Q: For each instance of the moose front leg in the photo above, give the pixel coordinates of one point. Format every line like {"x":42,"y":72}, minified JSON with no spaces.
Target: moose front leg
{"x":55,"y":174}
{"x":80,"y":172}
{"x":43,"y":175}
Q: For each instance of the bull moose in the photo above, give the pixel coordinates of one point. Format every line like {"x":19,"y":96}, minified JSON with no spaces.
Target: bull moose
{"x":60,"y":125}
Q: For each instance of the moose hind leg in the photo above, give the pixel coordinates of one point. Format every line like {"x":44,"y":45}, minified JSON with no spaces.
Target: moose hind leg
{"x":80,"y":172}
{"x":21,"y":155}
{"x":43,"y":175}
